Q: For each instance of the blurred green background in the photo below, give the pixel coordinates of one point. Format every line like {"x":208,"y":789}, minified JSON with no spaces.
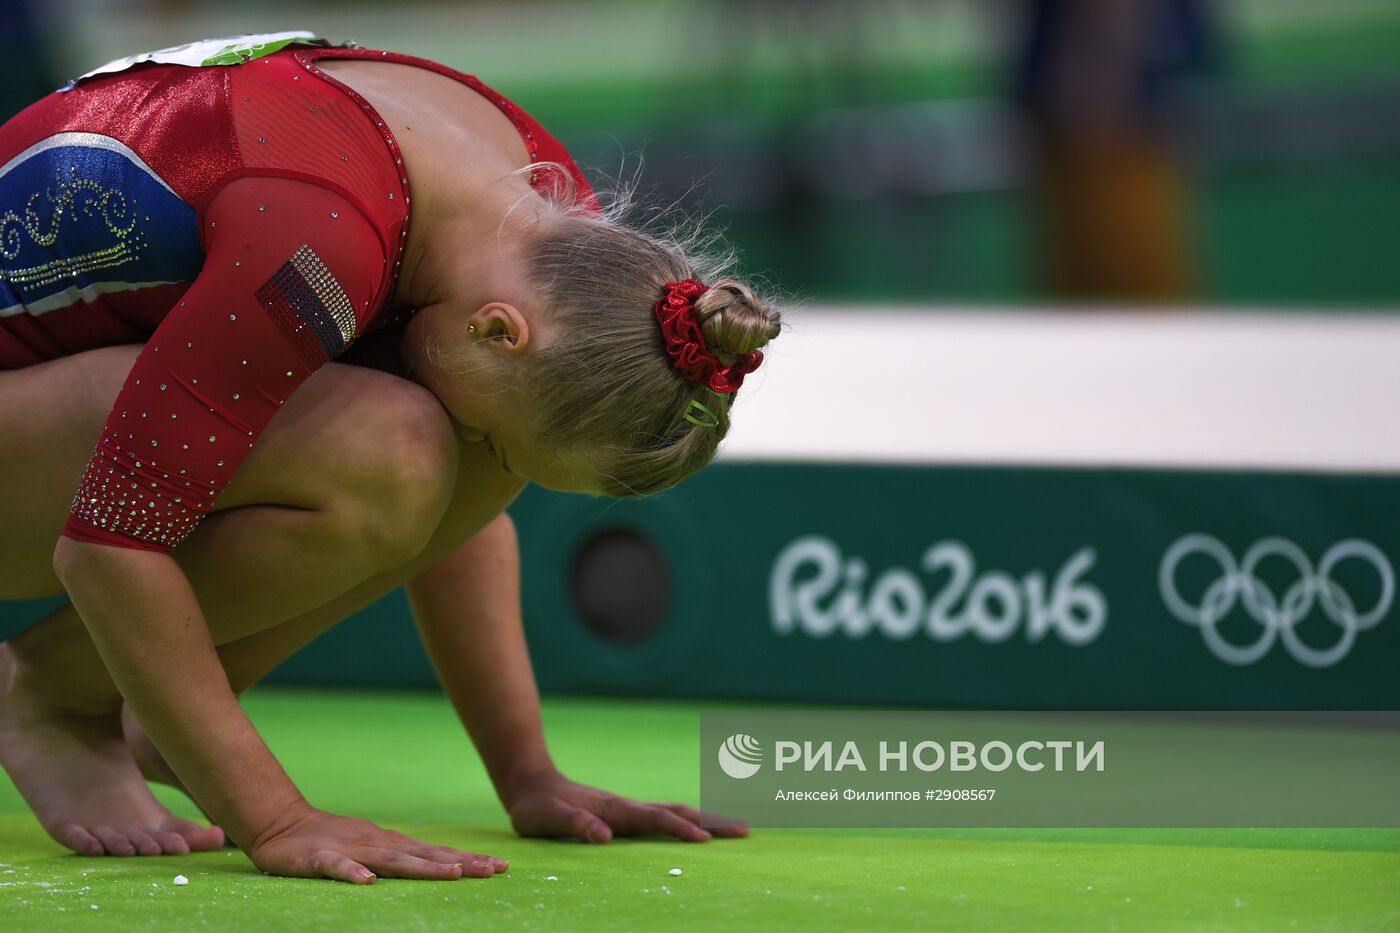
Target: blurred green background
{"x":880,"y":150}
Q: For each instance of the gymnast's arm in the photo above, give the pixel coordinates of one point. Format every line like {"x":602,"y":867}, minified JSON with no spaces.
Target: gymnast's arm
{"x":467,"y":608}
{"x":287,"y":282}
{"x":144,"y":619}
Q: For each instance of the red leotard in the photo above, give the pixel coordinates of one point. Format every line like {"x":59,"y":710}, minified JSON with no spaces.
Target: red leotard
{"x":245,"y":222}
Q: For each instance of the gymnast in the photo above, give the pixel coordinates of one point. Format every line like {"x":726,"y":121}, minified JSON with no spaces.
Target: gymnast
{"x":298,"y":322}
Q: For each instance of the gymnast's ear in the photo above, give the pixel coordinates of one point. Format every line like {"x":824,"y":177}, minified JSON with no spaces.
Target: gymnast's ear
{"x":501,"y":322}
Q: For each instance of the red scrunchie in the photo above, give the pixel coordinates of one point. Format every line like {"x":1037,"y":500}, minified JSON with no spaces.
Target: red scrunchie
{"x":686,"y":343}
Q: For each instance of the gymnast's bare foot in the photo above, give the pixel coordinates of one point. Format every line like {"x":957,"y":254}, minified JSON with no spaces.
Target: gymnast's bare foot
{"x":81,"y":781}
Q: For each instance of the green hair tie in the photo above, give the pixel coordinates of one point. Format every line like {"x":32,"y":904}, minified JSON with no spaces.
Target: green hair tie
{"x":711,"y":423}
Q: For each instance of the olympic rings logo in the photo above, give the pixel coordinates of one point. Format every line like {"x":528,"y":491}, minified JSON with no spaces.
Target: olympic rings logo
{"x":1276,"y":615}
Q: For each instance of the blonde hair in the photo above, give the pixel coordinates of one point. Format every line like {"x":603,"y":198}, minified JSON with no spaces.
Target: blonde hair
{"x":604,"y":385}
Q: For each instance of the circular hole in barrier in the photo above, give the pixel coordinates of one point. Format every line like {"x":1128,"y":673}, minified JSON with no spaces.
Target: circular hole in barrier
{"x":620,"y":586}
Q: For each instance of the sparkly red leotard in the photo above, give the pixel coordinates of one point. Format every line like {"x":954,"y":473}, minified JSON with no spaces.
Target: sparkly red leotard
{"x":245,"y":222}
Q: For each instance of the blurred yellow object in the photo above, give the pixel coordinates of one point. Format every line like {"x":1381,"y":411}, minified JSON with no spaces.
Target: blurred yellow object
{"x":1113,"y":216}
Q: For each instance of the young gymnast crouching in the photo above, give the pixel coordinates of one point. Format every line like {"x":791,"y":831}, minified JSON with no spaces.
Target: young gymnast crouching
{"x":186,"y":243}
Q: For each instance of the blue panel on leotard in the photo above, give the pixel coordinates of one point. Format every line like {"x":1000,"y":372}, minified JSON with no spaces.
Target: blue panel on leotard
{"x":82,"y":215}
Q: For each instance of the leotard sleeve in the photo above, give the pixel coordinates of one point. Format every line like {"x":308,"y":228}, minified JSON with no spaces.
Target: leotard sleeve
{"x":292,"y":272}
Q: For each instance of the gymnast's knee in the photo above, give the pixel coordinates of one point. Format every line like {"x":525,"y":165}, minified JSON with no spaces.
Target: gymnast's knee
{"x":401,"y":481}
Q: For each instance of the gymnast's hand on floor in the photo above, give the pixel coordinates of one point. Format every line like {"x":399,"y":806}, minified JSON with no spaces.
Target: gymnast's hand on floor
{"x":552,"y":805}
{"x":312,"y":843}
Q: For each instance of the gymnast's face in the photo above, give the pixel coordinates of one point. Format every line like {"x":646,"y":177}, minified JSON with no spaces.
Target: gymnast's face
{"x":495,"y":338}
{"x":498,"y":429}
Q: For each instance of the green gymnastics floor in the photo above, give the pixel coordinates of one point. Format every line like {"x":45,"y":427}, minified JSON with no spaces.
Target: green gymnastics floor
{"x":400,"y":759}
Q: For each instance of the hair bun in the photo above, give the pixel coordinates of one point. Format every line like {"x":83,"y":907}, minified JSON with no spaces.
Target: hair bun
{"x":734,"y":320}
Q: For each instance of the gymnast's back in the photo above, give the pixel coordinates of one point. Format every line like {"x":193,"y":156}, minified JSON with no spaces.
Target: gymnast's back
{"x":230,"y":206}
